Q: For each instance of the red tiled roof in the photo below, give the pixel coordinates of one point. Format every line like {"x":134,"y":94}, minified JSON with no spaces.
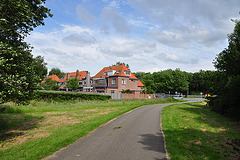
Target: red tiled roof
{"x":53,"y":77}
{"x":119,"y":71}
{"x":81,"y":75}
{"x":140,"y":84}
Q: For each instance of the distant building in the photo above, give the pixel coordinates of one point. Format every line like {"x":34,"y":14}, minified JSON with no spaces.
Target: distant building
{"x":114,"y":79}
{"x":83,"y":77}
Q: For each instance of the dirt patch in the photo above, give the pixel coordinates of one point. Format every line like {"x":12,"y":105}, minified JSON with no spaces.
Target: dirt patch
{"x":196,"y":142}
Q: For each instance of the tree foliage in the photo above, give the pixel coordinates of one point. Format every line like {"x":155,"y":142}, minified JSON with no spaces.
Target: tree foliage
{"x":40,"y":67}
{"x":228,"y":65}
{"x":56,"y":71}
{"x":18,"y":69}
{"x":19,"y":18}
{"x":203,"y":81}
{"x":165,"y":81}
{"x":121,"y":63}
{"x":73,"y":83}
{"x":50,"y":84}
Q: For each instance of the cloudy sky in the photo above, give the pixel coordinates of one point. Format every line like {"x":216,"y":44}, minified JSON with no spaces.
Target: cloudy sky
{"x":149,"y":35}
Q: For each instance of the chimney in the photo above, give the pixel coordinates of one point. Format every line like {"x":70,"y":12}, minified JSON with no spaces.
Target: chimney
{"x":77,"y":73}
{"x":68,"y":76}
{"x":88,"y":79}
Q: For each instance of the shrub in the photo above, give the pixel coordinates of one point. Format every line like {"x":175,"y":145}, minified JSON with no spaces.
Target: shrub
{"x":60,"y":96}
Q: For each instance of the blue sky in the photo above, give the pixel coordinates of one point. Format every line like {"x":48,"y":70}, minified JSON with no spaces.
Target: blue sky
{"x":149,"y":35}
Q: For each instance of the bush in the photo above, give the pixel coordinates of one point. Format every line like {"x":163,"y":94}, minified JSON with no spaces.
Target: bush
{"x":61,"y":96}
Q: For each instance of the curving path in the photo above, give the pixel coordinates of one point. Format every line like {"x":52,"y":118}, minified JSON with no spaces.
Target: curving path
{"x":135,"y":135}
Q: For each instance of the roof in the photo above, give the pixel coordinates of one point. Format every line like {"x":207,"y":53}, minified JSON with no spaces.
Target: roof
{"x":140,"y":84}
{"x":81,"y":75}
{"x":118,"y":71}
{"x":53,"y":77}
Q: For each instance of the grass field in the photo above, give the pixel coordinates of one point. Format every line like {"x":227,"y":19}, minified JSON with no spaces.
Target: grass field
{"x":39,"y":129}
{"x":192,"y":131}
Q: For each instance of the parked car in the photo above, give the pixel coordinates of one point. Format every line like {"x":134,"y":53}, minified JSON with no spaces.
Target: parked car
{"x":178,"y":97}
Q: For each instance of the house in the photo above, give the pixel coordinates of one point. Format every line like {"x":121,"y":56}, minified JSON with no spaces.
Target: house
{"x":53,"y":77}
{"x":115,"y":79}
{"x":83,"y":77}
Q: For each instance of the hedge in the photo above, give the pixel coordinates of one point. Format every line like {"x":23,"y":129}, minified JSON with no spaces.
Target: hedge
{"x":59,"y":96}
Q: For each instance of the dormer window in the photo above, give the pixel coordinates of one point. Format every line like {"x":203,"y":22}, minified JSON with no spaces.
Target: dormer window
{"x":104,"y":74}
{"x":110,"y":73}
{"x":127,"y":73}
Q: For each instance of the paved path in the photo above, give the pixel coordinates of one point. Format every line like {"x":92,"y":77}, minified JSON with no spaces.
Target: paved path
{"x":134,"y":136}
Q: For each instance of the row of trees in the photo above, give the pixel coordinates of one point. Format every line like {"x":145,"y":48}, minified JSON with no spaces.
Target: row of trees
{"x":177,"y":81}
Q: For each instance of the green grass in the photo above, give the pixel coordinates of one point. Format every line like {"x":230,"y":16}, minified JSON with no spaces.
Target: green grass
{"x":193,"y":131}
{"x":37,"y":130}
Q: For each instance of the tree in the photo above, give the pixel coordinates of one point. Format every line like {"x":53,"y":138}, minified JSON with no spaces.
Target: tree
{"x":50,"y":84}
{"x":40,"y":67}
{"x":120,"y":63}
{"x":203,"y":81}
{"x":56,"y":71}
{"x":73,"y":83}
{"x":227,"y":64}
{"x":18,"y":77}
{"x":164,"y":81}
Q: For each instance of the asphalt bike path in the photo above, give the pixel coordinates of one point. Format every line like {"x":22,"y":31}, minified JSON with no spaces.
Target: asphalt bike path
{"x":136,"y":135}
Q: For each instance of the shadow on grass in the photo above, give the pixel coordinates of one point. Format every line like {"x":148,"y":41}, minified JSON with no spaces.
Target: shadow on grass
{"x":209,"y":117}
{"x":15,"y":123}
{"x":196,"y":144}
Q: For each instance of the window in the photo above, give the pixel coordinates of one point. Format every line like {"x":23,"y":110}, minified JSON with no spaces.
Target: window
{"x":101,"y":81}
{"x":95,"y":82}
{"x":124,"y":81}
{"x":112,"y":91}
{"x":118,"y":72}
{"x":127,"y":73}
{"x":113,"y":81}
{"x":104,"y":74}
{"x":80,"y":83}
{"x":110,"y":73}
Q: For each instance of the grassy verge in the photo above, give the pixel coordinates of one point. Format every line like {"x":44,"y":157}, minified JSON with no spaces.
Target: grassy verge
{"x":192,"y":131}
{"x":39,"y":129}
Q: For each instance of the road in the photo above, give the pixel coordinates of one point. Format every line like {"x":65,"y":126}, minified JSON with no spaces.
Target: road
{"x":136,"y":135}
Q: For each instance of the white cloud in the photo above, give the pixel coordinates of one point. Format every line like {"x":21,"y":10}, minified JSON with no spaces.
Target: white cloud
{"x":112,"y":19}
{"x":85,"y":16}
{"x":79,"y":39}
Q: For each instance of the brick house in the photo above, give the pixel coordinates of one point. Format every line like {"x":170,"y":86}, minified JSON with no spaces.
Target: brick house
{"x":114,"y":79}
{"x":83,"y":77}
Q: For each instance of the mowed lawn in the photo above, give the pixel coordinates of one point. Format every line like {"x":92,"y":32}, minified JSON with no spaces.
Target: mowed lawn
{"x":193,"y":131}
{"x":40,"y":129}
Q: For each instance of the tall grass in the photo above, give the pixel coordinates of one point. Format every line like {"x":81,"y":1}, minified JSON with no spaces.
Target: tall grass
{"x":193,"y":131}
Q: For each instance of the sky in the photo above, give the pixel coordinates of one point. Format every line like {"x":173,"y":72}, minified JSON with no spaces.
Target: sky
{"x":149,"y":35}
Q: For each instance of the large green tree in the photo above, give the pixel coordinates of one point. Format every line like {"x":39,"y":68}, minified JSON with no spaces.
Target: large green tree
{"x":56,"y":71}
{"x":18,"y":76}
{"x":227,"y":64}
